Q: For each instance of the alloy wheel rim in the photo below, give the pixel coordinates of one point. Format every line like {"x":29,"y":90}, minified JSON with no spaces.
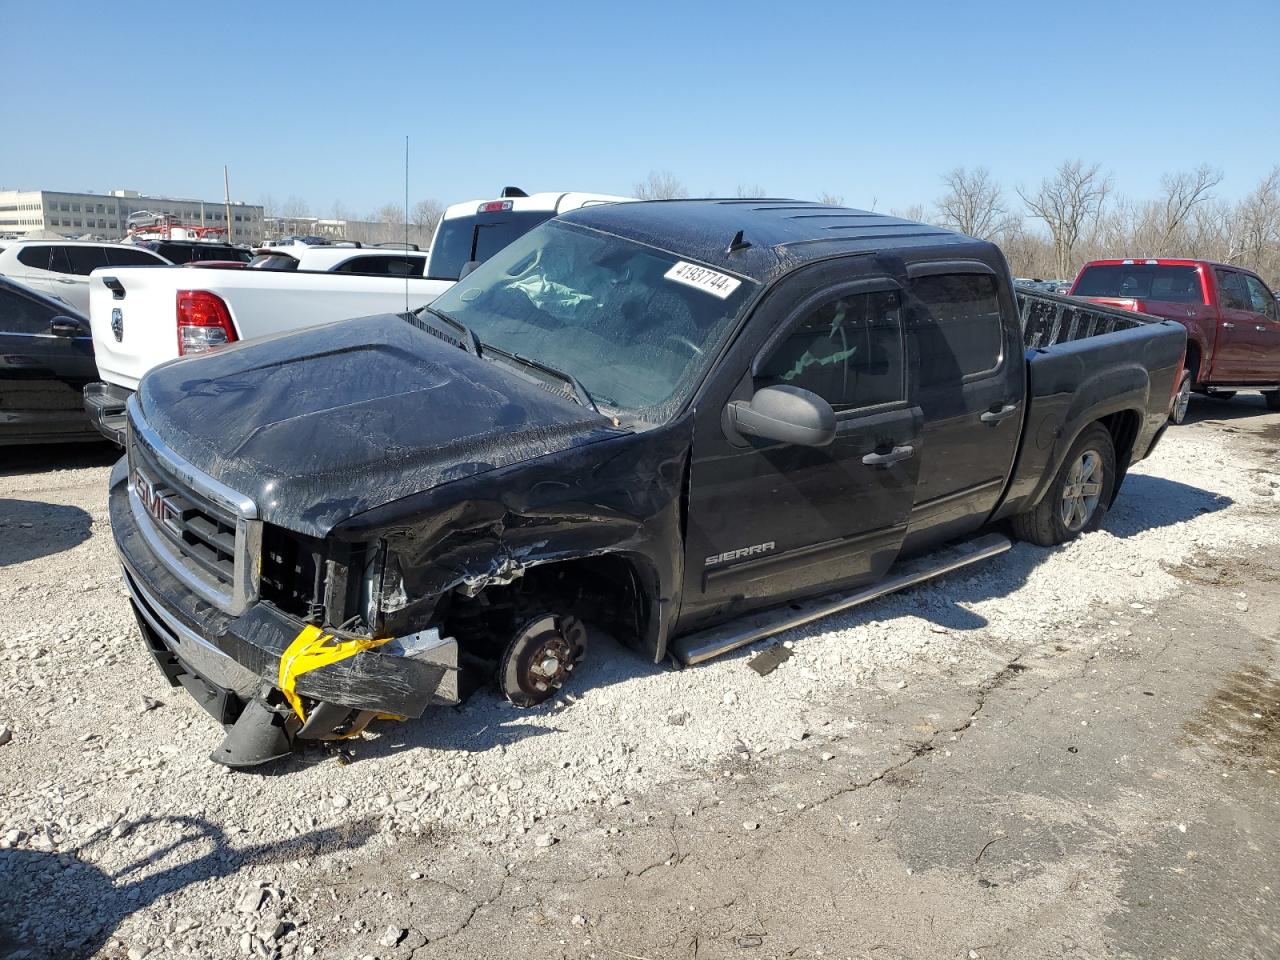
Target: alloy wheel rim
{"x":1082,"y":491}
{"x":1183,"y":400}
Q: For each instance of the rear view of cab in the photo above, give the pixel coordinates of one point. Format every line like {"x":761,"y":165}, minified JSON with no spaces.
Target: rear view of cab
{"x":474,"y":230}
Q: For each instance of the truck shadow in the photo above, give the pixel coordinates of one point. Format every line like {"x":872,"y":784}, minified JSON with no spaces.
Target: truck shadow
{"x":1216,"y":410}
{"x":38,"y":458}
{"x":30,"y":529}
{"x":59,"y":905}
{"x":486,"y":720}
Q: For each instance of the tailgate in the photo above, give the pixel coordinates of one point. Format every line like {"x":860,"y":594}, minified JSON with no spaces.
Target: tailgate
{"x":132,"y":313}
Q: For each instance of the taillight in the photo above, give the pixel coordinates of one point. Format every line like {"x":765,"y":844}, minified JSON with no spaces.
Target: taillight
{"x":204,"y":322}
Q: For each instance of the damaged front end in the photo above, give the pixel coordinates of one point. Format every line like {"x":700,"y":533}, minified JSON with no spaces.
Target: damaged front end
{"x":232,"y":609}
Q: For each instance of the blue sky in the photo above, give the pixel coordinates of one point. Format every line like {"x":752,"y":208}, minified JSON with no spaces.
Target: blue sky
{"x":872,"y":101}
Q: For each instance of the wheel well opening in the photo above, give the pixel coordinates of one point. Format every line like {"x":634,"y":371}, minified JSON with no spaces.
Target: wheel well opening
{"x":602,"y":591}
{"x":1123,"y":427}
{"x":1192,"y":362}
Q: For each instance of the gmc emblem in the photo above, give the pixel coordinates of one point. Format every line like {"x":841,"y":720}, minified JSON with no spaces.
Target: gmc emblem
{"x":154,"y":504}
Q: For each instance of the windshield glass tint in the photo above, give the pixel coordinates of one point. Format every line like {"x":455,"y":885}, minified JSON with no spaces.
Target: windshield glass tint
{"x":1141,"y":281}
{"x":477,"y":238}
{"x":602,"y":309}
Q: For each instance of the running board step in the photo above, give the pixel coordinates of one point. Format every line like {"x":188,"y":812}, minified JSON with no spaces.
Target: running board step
{"x":714,"y":641}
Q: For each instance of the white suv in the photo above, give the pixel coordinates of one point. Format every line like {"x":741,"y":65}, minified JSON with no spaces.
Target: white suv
{"x":61,"y":268}
{"x":367,"y":261}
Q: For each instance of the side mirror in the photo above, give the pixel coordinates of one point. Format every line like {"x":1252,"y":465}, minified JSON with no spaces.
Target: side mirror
{"x":61,"y":326}
{"x":786,"y":414}
{"x":468,"y":267}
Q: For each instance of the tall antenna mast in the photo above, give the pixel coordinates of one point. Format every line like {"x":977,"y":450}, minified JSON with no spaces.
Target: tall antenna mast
{"x":406,"y":218}
{"x":226,"y":202}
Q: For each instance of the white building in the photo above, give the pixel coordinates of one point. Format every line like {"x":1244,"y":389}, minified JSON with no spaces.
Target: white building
{"x":26,"y":212}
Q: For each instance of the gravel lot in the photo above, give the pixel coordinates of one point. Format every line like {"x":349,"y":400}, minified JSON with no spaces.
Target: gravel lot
{"x":825,"y":809}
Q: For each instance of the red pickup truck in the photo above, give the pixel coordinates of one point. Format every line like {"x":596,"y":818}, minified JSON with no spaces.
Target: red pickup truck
{"x":1231,"y":316}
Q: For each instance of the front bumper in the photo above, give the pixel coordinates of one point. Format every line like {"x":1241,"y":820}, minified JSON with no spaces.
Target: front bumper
{"x":105,"y":405}
{"x":227,"y":662}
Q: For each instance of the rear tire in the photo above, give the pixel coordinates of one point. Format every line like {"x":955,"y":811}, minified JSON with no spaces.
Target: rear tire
{"x":1181,"y":399}
{"x":1273,"y":399}
{"x":1077,"y":499}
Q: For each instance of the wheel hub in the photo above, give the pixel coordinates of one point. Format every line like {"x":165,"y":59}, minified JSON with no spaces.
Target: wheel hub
{"x":540,"y":658}
{"x":1082,"y":491}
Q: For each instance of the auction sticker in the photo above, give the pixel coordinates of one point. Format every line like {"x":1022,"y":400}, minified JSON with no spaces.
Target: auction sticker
{"x":711,"y":281}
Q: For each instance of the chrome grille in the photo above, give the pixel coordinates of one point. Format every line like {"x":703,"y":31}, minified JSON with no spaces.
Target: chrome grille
{"x":207,"y":534}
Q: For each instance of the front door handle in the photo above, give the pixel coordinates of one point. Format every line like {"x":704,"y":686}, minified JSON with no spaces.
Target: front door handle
{"x":992,"y":417}
{"x":895,"y":455}
{"x":1228,"y":325}
{"x":1260,"y":327}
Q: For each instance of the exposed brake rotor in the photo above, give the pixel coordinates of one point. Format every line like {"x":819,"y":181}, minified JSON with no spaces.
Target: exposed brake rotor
{"x":540,"y":658}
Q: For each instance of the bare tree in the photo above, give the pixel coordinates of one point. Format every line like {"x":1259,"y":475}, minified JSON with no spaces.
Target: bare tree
{"x":1068,"y":202}
{"x":295,"y":207}
{"x":973,"y":204}
{"x":660,"y":185}
{"x":913,"y":212}
{"x":1183,"y":192}
{"x":1258,"y":217}
{"x":426,"y":214}
{"x":751,"y":191}
{"x":831,"y":199}
{"x":389,"y":214}
{"x":268,"y":205}
{"x":340,"y":211}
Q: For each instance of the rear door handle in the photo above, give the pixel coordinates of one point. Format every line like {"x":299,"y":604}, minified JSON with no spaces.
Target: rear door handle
{"x":895,"y":455}
{"x":1228,"y":325}
{"x":1259,"y":327}
{"x":992,"y":417}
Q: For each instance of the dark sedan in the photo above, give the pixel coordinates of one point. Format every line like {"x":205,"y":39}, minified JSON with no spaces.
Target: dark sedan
{"x":46,"y":358}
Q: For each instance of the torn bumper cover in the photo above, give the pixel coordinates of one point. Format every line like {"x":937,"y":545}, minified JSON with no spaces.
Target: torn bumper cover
{"x":232,"y":664}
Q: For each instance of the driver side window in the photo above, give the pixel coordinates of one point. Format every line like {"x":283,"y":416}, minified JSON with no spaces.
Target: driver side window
{"x":848,"y":351}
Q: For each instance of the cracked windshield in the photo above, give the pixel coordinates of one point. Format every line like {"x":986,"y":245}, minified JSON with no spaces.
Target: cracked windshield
{"x":635,"y":325}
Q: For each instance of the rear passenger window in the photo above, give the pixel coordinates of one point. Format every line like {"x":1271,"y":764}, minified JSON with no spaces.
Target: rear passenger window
{"x":383,"y":266}
{"x":1232,"y":293}
{"x":85,"y":260}
{"x":124,"y":257}
{"x":958,"y":327}
{"x":36,"y":257}
{"x":848,"y":351}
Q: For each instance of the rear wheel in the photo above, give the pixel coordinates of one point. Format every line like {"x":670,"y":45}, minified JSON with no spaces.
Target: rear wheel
{"x":1077,"y":499}
{"x":1181,"y":399}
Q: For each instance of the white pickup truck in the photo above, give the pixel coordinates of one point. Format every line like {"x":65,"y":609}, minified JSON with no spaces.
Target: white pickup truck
{"x":143,"y":317}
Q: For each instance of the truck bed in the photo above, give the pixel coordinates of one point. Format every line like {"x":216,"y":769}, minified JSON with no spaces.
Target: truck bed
{"x":1087,"y":362}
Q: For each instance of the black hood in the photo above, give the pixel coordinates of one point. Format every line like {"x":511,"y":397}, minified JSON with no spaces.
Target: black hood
{"x":322,"y":424}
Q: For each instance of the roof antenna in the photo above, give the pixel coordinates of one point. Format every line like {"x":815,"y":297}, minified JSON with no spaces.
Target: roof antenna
{"x":737,"y":243}
{"x":406,"y":218}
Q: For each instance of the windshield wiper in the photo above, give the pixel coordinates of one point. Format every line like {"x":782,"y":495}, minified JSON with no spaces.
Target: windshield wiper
{"x":579,"y":391}
{"x":470,"y":340}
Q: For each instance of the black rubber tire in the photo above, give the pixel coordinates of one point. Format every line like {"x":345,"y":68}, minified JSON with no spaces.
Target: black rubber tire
{"x":1273,"y":399}
{"x":1042,"y":524}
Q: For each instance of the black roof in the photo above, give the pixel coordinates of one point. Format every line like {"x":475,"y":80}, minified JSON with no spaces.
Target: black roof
{"x":783,"y":234}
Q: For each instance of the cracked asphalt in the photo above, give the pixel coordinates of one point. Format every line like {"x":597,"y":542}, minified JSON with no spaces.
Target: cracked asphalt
{"x":1096,"y":784}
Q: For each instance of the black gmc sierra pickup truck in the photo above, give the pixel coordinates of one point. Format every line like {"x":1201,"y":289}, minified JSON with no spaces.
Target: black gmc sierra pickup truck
{"x":665,"y":421}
